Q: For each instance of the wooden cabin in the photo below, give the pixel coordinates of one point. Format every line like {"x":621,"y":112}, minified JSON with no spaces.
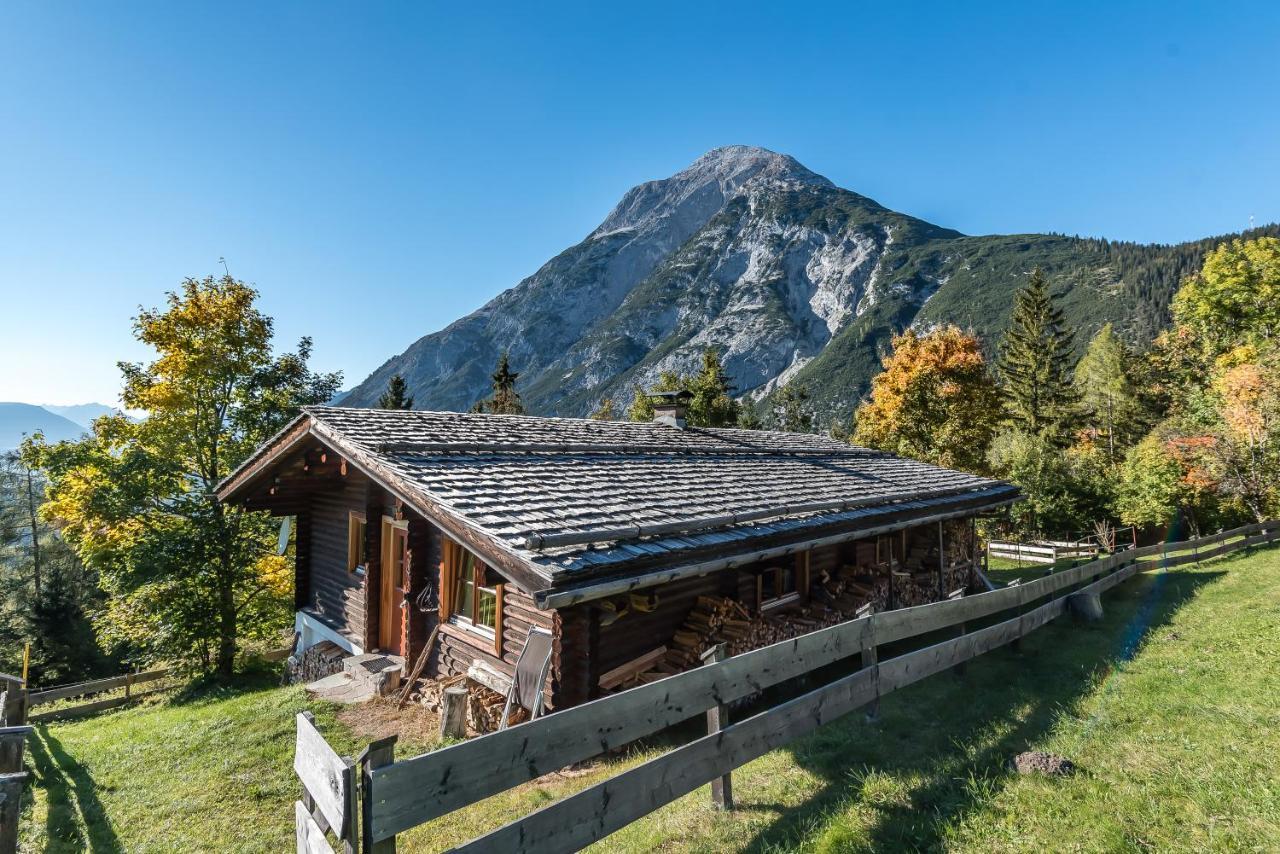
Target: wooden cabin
{"x":625,"y":540}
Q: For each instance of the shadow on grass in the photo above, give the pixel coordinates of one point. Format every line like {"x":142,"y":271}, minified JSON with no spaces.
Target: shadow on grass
{"x":948,"y":740}
{"x":76,"y":818}
{"x":254,"y":678}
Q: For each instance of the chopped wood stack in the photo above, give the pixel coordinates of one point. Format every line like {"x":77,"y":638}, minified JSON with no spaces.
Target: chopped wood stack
{"x":833,"y":599}
{"x":316,"y":662}
{"x":484,"y":709}
{"x":484,"y":705}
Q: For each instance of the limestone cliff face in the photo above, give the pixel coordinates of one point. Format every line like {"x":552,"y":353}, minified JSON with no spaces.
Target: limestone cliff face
{"x":788,"y":275}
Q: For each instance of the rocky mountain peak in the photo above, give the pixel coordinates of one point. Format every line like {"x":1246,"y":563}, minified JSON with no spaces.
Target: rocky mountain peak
{"x":693,"y":195}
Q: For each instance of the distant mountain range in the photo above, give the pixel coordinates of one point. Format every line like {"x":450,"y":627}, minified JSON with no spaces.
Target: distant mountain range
{"x":790,"y":276}
{"x":56,"y":422}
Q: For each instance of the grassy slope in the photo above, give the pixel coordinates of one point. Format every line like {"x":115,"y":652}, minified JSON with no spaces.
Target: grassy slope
{"x":1168,"y":707}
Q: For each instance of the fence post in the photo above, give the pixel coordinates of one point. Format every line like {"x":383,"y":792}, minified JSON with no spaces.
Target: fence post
{"x":1016,"y":644}
{"x":12,"y":740}
{"x":13,"y":701}
{"x":960,"y":631}
{"x":378,"y":754}
{"x":11,"y":786}
{"x":718,"y":719}
{"x":869,"y":659}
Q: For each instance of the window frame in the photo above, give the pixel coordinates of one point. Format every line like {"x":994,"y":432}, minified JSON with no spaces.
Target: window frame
{"x":357,"y":542}
{"x":452,"y":580}
{"x":799,"y":592}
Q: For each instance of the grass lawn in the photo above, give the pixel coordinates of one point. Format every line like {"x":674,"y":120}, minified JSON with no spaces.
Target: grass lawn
{"x":1168,"y":707}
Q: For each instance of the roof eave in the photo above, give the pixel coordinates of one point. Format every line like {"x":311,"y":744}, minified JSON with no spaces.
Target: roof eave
{"x":618,"y":581}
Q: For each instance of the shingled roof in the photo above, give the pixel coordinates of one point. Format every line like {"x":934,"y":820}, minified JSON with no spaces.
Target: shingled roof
{"x":575,"y":499}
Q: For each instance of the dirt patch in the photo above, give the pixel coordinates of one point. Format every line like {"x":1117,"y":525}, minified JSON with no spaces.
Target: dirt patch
{"x":379,"y":718}
{"x":1039,"y":762}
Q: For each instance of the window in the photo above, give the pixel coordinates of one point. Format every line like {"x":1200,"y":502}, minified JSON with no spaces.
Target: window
{"x":357,"y":543}
{"x":475,"y":595}
{"x":782,"y":585}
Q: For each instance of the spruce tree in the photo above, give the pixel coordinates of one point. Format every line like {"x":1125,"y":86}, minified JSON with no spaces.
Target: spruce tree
{"x":395,"y":397}
{"x":1035,"y":365}
{"x":505,"y":400}
{"x":713,"y":404}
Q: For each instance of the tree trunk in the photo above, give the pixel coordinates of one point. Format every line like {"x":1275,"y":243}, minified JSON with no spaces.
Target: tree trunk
{"x":226,"y":626}
{"x":226,"y":595}
{"x":35,"y":533}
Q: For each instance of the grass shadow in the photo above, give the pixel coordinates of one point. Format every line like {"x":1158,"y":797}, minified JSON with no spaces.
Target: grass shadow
{"x":952,"y":737}
{"x":76,"y":819}
{"x":253,"y":678}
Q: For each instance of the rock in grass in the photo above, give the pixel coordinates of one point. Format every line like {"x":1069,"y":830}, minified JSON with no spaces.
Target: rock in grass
{"x":1039,"y":762}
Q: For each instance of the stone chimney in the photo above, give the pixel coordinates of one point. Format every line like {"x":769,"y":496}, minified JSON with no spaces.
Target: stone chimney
{"x":670,"y":407}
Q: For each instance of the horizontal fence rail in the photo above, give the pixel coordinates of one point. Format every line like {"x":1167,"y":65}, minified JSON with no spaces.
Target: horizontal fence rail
{"x":94,"y":687}
{"x":401,"y":795}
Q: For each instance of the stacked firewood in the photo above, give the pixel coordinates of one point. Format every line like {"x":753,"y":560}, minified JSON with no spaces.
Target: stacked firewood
{"x":433,"y":690}
{"x":711,"y":620}
{"x":484,"y":705}
{"x":484,"y":709}
{"x":316,"y":662}
{"x":849,"y":592}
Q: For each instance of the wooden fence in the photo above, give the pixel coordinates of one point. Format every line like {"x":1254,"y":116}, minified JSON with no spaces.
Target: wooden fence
{"x":1041,"y":552}
{"x":129,"y":682}
{"x":396,"y":796}
{"x":12,"y":781}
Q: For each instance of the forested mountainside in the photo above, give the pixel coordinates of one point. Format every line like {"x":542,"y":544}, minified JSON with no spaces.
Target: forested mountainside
{"x":788,"y":275}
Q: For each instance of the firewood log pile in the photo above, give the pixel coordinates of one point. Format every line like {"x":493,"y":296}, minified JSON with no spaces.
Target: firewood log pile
{"x":316,"y":662}
{"x":484,"y":705}
{"x":484,"y":709}
{"x":833,"y":598}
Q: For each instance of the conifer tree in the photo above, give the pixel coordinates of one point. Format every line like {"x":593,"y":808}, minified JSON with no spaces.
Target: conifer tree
{"x":791,"y":409}
{"x":1035,"y":365}
{"x":505,"y":400}
{"x":395,"y":397}
{"x":1105,"y":391}
{"x":713,"y":404}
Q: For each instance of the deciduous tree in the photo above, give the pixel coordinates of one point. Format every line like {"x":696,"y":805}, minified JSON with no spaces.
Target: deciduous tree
{"x":187,"y":577}
{"x":934,"y":401}
{"x":1106,"y":395}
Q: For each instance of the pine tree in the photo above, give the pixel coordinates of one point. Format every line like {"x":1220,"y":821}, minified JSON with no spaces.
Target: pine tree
{"x":1035,"y":365}
{"x":395,"y":396}
{"x":505,"y":400}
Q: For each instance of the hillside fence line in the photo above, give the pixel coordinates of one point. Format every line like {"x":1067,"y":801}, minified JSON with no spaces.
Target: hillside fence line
{"x":394,"y":796}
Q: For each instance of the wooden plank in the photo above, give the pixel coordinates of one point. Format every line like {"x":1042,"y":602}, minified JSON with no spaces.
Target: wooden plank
{"x":83,"y":709}
{"x":11,"y":786}
{"x":12,"y":741}
{"x":326,"y":776}
{"x":433,"y":784}
{"x":596,"y":812}
{"x":94,"y":686}
{"x":623,"y":672}
{"x":311,"y":839}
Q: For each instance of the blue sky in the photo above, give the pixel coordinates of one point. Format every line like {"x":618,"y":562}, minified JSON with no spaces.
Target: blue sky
{"x":378,"y":170}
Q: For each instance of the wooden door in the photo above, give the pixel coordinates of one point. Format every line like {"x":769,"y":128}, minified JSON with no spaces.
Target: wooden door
{"x":395,"y":574}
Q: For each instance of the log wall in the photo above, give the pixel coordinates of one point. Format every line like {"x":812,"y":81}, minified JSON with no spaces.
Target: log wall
{"x":334,"y":595}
